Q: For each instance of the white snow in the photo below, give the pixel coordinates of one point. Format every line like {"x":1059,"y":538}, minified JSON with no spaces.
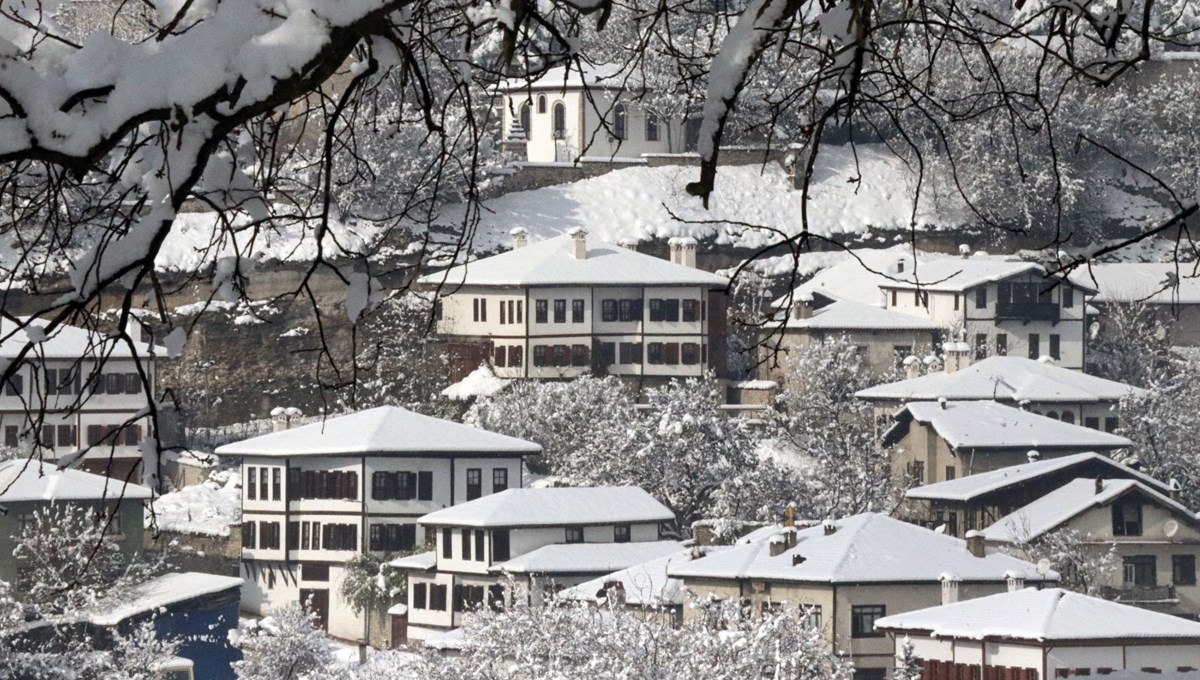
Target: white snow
{"x":378,"y":431}
{"x":163,"y":591}
{"x":26,"y":480}
{"x":645,"y":584}
{"x":206,"y":509}
{"x":849,"y":315}
{"x":991,"y":425}
{"x":418,"y":562}
{"x":1156,"y":283}
{"x":481,"y":382}
{"x":586,"y":558}
{"x":559,"y":506}
{"x":1050,"y":615}
{"x":864,"y":548}
{"x":984,"y":483}
{"x":67,"y":342}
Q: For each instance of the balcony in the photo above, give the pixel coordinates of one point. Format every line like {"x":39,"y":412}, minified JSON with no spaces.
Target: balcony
{"x":1131,"y":594}
{"x":1028,"y":311}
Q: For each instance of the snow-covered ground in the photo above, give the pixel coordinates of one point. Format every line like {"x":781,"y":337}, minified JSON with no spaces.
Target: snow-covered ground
{"x":207,"y":509}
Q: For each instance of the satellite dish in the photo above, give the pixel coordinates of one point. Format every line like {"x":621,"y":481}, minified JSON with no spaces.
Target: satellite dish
{"x":1043,"y":566}
{"x":1170,"y":528}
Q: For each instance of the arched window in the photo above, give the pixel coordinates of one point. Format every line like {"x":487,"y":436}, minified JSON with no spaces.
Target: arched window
{"x":525,"y":111}
{"x":619,"y":120}
{"x":1052,"y":414}
{"x":560,"y":120}
{"x":651,"y":127}
{"x":541,"y":103}
{"x":1068,"y":417}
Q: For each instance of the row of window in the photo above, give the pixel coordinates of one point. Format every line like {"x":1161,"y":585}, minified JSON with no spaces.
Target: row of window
{"x":657,"y":353}
{"x":1012,"y":293}
{"x":511,"y":311}
{"x":1102,"y":670}
{"x":432,"y":597}
{"x":558,"y":130}
{"x":402,"y":486}
{"x":611,"y":310}
{"x":66,"y":381}
{"x":303,"y":535}
{"x":67,"y":437}
{"x":1142,"y":570}
{"x":262,"y":481}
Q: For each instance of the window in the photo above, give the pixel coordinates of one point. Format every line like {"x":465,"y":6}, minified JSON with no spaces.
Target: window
{"x":951,"y":472}
{"x":480,"y":553}
{"x":503,"y":316}
{"x":560,"y":311}
{"x":1093,"y":423}
{"x":1140,"y":570}
{"x":1111,"y":423}
{"x":539,"y":355}
{"x":670,"y":310}
{"x":248,"y":535}
{"x":1035,"y":346}
{"x":393,"y":537}
{"x":621,"y":533}
{"x":1183,"y":570}
{"x":560,"y":120}
{"x":956,"y":302}
{"x":1068,"y":297}
{"x":574,"y":534}
{"x":465,"y":544}
{"x":654,"y":353}
{"x":539,"y":311}
{"x":689,"y":353}
{"x":916,"y":471}
{"x":277,"y":483}
{"x":893,"y":298}
{"x":1068,"y":417}
{"x":541,"y":103}
{"x":630,"y":353}
{"x":500,"y":354}
{"x":691,"y":310}
{"x":419,"y":595}
{"x":981,"y":298}
{"x":499,"y":479}
{"x":339,"y":536}
{"x":425,"y":486}
{"x":474,"y":483}
{"x":812,"y":616}
{"x":500,"y":545}
{"x":1001,"y":344}
{"x":656,"y":309}
{"x":11,"y":436}
{"x":447,"y":543}
{"x":520,"y":311}
{"x":525,"y":119}
{"x":577,"y":311}
{"x":251,"y":486}
{"x":608,"y":354}
{"x":562,"y":355}
{"x":580,"y":355}
{"x":671,"y":353}
{"x":328,"y":484}
{"x":981,"y":346}
{"x":66,"y":381}
{"x":293,"y":535}
{"x":268,"y":535}
{"x":620,"y":116}
{"x":651,"y":127}
{"x":1127,"y":518}
{"x":608,"y":310}
{"x":1055,"y":346}
{"x":863,"y":618}
{"x":630,"y":310}
{"x":67,"y":436}
{"x":14,"y":386}
{"x":516,"y":355}
{"x":437,"y":593}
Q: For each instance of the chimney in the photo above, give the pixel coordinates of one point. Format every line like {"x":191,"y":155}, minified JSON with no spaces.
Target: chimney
{"x":1099,"y":486}
{"x":912,"y":366}
{"x":900,"y":266}
{"x":964,"y":250}
{"x":282,"y":418}
{"x":829,"y":527}
{"x":789,"y":515}
{"x":801,"y":309}
{"x":1033,"y":456}
{"x":957,"y":356}
{"x":578,"y":243}
{"x":1173,"y":489}
{"x":949,"y":587}
{"x":789,"y":537}
{"x":1014,"y":580}
{"x":942,"y":403}
{"x":520,"y":237}
{"x":687,"y":252}
{"x":675,"y":246}
{"x":776,"y":547}
{"x":975,"y":544}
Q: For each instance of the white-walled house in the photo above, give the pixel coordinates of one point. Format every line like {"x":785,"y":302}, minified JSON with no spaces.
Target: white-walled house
{"x":1155,"y":538}
{"x":576,"y":111}
{"x":566,"y":307}
{"x":1037,"y":386}
{"x":315,"y":496}
{"x":77,"y":389}
{"x":1052,"y":633}
{"x":1171,"y":291}
{"x":846,"y":574}
{"x":545,"y":538}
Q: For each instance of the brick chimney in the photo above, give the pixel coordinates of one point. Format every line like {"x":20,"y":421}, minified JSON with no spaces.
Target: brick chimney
{"x":578,"y":243}
{"x":776,"y":547}
{"x":975,"y":544}
{"x":520,"y":237}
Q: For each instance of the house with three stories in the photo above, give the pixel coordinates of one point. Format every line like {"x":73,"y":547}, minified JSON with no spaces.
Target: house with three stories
{"x":543,"y":539}
{"x":566,"y":307}
{"x":77,"y":390}
{"x":315,"y":496}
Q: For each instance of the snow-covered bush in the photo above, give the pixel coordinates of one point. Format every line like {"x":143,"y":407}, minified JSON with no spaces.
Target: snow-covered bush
{"x":287,"y":645}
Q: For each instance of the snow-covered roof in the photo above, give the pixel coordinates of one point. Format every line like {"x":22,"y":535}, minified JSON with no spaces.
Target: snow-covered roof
{"x":960,"y":274}
{"x":382,"y":430}
{"x":586,"y":558}
{"x":26,"y":480}
{"x":1068,"y":501}
{"x":973,"y":486}
{"x":418,"y":562}
{"x":857,"y":277}
{"x":850,"y":315}
{"x":482,"y":382}
{"x":1154,"y":282}
{"x":571,"y":75}
{"x":163,"y":591}
{"x":645,"y":585}
{"x":992,"y":425}
{"x":865,"y":548}
{"x":1050,"y":615}
{"x":557,"y":506}
{"x":206,"y":509}
{"x":1005,"y":378}
{"x":67,"y":342}
{"x":549,"y":263}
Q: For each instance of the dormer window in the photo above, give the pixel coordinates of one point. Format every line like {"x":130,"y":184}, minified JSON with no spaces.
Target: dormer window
{"x":1127,"y":518}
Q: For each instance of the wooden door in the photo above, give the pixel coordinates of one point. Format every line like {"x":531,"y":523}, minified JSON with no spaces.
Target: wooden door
{"x":399,"y":630}
{"x":318,"y":601}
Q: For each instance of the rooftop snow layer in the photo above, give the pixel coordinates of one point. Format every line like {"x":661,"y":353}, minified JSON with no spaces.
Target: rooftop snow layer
{"x":645,"y":584}
{"x":26,"y":480}
{"x":557,"y":506}
{"x":549,"y":263}
{"x":960,"y":274}
{"x":163,"y":591}
{"x":1050,"y":615}
{"x":1004,"y":378}
{"x":587,"y":558}
{"x":973,"y":486}
{"x":991,"y":425}
{"x":481,"y":382}
{"x":849,"y":315}
{"x":1159,"y":283}
{"x":865,"y":548}
{"x":418,"y":562}
{"x":66,"y":342}
{"x":1050,"y":511}
{"x":382,"y":430}
{"x":570,"y":75}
